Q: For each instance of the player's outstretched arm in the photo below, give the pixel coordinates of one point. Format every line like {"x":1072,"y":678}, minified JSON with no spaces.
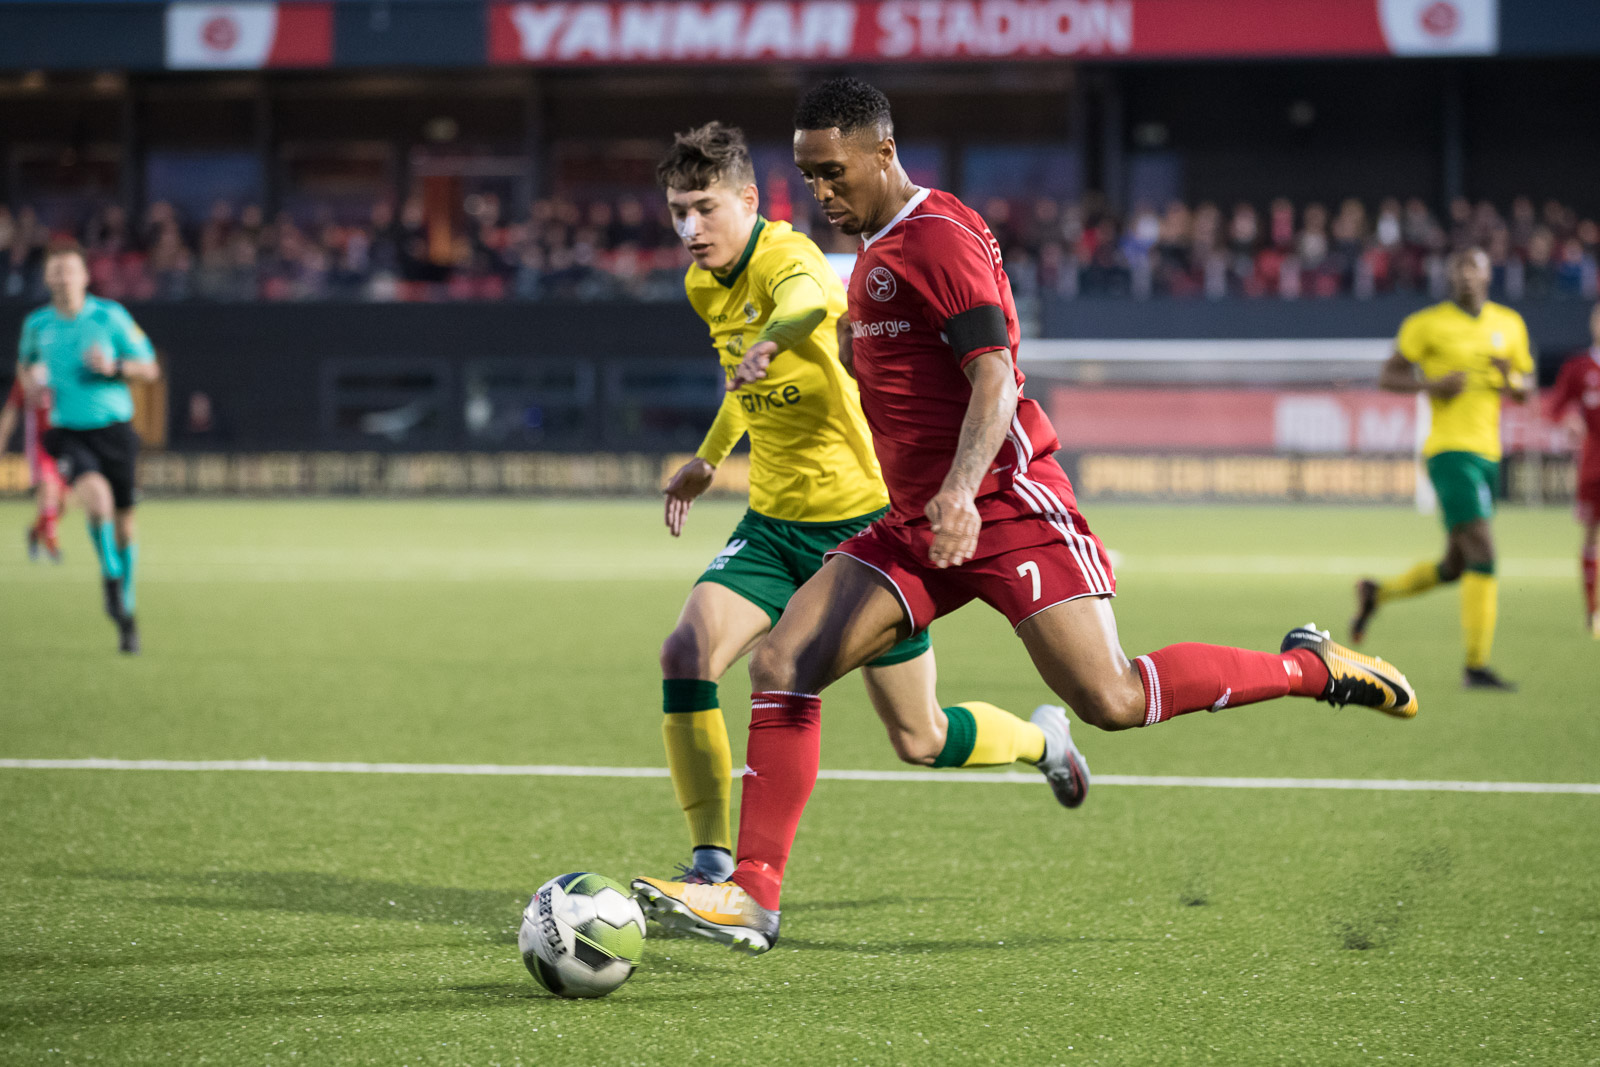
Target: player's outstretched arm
{"x":799,"y":306}
{"x":952,"y":512}
{"x":753,"y":367}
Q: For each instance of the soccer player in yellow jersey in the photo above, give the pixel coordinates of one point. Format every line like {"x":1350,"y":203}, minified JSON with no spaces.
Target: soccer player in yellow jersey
{"x":1466,"y":354}
{"x":766,"y":290}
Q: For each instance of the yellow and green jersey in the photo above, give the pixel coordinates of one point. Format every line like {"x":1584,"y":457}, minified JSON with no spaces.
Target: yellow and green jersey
{"x":811,"y":456}
{"x":1444,"y":339}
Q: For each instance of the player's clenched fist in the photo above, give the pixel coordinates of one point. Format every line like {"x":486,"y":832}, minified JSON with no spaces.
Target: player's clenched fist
{"x":753,"y":367}
{"x":955,"y":527}
{"x":692,"y":479}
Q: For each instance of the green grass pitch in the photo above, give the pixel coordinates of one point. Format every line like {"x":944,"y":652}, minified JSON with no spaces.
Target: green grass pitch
{"x":231,"y":918}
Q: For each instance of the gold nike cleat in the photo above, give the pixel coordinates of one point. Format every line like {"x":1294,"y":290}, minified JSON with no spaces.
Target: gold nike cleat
{"x":720,"y":911}
{"x":1353,"y":678}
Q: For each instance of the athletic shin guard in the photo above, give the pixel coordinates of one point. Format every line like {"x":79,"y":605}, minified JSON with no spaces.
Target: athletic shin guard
{"x":1189,"y":677}
{"x":982,"y":735}
{"x":129,"y":557}
{"x":699,"y":758}
{"x":103,"y":536}
{"x":781,"y":768}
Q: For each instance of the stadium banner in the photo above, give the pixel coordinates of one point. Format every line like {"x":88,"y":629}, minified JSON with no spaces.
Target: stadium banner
{"x":586,"y":32}
{"x":1097,"y":475}
{"x":249,"y":36}
{"x":1280,"y":421}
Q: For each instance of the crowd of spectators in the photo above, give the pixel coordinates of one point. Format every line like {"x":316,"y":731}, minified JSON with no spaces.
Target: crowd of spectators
{"x":1291,"y":251}
{"x":624,"y":248}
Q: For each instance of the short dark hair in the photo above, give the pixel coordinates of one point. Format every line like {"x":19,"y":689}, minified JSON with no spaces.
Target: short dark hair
{"x":710,"y":153}
{"x":65,"y":246}
{"x":847,"y":104}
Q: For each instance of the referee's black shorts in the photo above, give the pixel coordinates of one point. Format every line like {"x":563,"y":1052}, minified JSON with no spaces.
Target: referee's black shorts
{"x":112,"y":451}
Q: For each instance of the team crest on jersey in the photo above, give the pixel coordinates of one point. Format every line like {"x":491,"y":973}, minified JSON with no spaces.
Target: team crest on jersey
{"x":880,"y":284}
{"x":1497,"y":339}
{"x":750,"y":312}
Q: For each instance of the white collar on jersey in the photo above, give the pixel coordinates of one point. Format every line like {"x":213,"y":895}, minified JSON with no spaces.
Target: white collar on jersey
{"x":911,"y":205}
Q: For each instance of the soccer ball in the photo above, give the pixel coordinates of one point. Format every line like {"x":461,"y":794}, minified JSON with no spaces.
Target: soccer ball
{"x":582,"y":935}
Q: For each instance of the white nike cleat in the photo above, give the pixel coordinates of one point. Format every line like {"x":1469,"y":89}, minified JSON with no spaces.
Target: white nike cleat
{"x":1063,"y":765}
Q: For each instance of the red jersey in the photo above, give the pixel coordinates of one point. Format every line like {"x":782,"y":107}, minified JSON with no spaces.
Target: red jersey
{"x":926,"y":297}
{"x":1578,"y":386}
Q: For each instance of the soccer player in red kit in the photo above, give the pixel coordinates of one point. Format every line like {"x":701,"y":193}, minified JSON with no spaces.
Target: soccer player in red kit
{"x":1575,"y":400}
{"x":979,"y":509}
{"x":50,"y":491}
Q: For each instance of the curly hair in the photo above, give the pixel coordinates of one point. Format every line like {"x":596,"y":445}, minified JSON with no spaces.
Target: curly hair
{"x":707,"y":154}
{"x":847,"y":104}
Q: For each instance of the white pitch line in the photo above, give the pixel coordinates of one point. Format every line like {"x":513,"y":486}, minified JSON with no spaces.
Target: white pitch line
{"x":1382,"y":785}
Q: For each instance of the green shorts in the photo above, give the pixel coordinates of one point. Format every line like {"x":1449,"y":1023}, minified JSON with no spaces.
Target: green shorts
{"x":766,"y":560}
{"x":1465,"y":483}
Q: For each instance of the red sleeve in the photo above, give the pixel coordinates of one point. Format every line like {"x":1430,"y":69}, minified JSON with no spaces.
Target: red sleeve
{"x":1563,"y":392}
{"x":952,"y":269}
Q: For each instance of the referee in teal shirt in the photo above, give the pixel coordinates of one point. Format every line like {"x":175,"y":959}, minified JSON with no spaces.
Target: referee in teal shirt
{"x":85,"y":350}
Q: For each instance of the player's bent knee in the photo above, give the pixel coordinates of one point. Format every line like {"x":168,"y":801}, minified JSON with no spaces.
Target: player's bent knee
{"x":683,"y":654}
{"x":1112,"y":707}
{"x":775,"y":667}
{"x":916,"y":750}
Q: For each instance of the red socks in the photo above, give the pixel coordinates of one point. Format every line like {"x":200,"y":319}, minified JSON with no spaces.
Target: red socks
{"x":49,"y":523}
{"x":781,"y":767}
{"x":1589,"y":569}
{"x":1179,"y":679}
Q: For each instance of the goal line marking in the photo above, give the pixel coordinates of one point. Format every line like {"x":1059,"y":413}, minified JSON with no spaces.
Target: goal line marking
{"x":1382,"y":785}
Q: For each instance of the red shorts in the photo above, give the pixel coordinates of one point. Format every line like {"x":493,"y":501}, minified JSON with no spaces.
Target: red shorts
{"x":1588,"y":500}
{"x":1023,"y":566}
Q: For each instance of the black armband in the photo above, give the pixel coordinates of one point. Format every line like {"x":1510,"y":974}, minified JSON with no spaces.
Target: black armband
{"x":981,"y":327}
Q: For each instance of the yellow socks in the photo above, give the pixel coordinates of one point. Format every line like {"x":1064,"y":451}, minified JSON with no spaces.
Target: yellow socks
{"x":1480,"y":604}
{"x":699,"y":758}
{"x":1418,"y":579}
{"x":982,"y":735}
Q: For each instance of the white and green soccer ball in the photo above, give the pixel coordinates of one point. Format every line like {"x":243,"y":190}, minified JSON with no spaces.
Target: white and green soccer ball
{"x":582,"y":935}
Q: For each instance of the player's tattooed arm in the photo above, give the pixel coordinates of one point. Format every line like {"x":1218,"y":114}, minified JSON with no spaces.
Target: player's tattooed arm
{"x":952,"y":512}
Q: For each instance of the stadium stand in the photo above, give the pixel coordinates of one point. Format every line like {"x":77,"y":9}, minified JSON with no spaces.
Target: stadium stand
{"x":622,"y":248}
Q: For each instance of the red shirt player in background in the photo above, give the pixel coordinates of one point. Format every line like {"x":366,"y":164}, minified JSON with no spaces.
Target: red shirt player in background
{"x":1575,"y":400}
{"x":979,"y":509}
{"x":50,"y":491}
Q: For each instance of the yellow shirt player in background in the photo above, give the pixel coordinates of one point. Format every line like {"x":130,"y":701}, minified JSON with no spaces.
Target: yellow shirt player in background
{"x":1466,"y":354}
{"x":770,"y":298}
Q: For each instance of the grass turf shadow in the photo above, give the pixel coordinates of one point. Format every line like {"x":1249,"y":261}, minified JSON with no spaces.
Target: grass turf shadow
{"x":1377,"y":907}
{"x":495,"y":911}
